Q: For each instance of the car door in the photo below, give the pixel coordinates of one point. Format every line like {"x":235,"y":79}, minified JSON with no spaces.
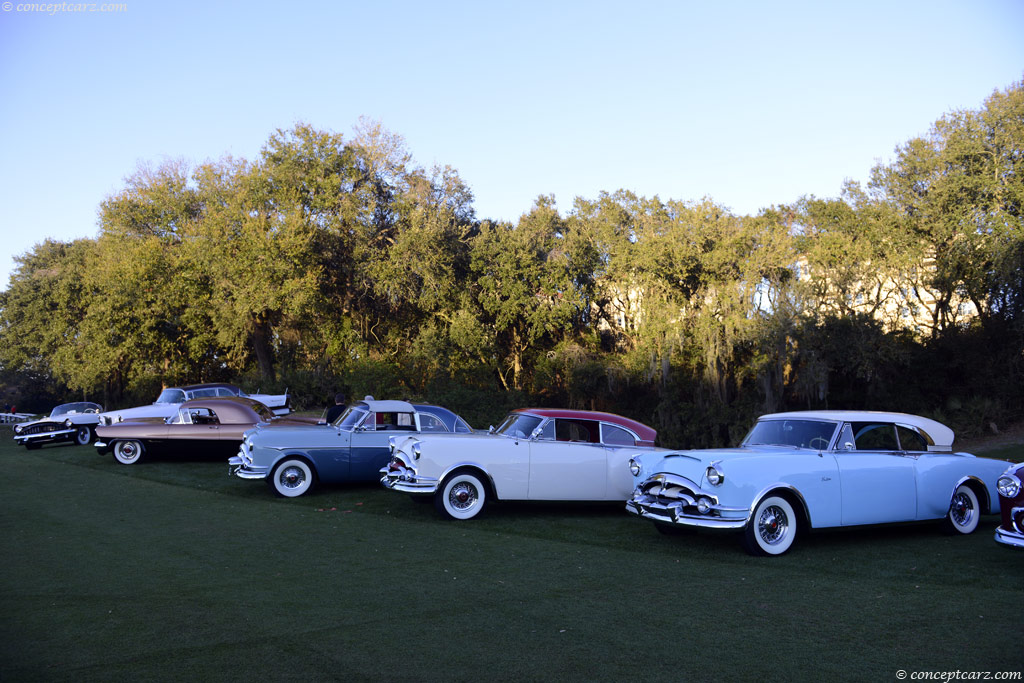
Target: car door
{"x":198,"y":427}
{"x":568,"y":462}
{"x":877,"y":483}
{"x":371,"y":451}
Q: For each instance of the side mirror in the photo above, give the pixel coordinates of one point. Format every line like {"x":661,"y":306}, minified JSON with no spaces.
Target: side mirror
{"x":535,"y":434}
{"x":848,"y":446}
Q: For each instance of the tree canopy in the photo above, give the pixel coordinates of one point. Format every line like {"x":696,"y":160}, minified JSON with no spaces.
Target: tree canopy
{"x":331,"y":262}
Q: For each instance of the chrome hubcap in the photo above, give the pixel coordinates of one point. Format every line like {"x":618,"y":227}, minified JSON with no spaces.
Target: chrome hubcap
{"x":961,"y":509}
{"x":293,"y":477}
{"x":462,"y":495}
{"x":772,"y":524}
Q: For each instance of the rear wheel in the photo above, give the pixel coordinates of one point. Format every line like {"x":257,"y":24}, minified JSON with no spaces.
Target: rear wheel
{"x":293,"y":477}
{"x":462,"y":496}
{"x":128,"y":452}
{"x":964,"y":511}
{"x":772,"y":529}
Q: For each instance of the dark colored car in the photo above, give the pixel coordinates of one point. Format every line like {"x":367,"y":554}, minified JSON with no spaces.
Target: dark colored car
{"x":73,"y":422}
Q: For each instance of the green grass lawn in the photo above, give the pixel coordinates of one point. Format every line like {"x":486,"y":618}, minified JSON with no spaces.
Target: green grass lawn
{"x":167,"y":570}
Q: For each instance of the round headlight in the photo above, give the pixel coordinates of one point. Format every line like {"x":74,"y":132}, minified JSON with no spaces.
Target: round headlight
{"x":17,"y":429}
{"x":1008,"y":486}
{"x":634,"y":467}
{"x":714,"y":475}
{"x":67,"y":423}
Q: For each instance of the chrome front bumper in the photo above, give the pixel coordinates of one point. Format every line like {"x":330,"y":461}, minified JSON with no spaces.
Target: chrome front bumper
{"x":241,"y":466}
{"x":407,"y":481}
{"x":1012,"y":537}
{"x":674,"y":499}
{"x":650,"y":508}
{"x":46,"y":437}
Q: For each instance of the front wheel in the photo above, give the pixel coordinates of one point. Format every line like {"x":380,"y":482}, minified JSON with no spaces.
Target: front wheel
{"x":964,"y":511}
{"x":83,"y":435}
{"x":128,"y":452}
{"x":292,"y":478}
{"x":462,"y":496}
{"x":772,"y":529}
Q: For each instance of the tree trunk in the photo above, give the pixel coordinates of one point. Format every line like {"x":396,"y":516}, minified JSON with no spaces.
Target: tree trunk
{"x":260,"y":339}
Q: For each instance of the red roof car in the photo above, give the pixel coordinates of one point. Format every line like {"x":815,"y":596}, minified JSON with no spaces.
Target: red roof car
{"x":535,"y":454}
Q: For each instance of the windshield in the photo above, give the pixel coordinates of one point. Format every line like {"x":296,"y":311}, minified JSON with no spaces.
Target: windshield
{"x":351,"y":418}
{"x":74,"y":408}
{"x":171,"y":396}
{"x":265,"y":413}
{"x":518,"y":424}
{"x":795,"y":433}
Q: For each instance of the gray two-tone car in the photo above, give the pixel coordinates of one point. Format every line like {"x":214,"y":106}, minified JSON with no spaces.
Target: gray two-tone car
{"x":292,"y":459}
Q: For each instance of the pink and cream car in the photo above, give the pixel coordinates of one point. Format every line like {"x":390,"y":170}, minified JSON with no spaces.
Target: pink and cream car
{"x":535,"y":454}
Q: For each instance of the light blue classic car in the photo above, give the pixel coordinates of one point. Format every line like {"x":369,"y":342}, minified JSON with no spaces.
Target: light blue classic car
{"x":818,"y":469}
{"x":354,"y":448}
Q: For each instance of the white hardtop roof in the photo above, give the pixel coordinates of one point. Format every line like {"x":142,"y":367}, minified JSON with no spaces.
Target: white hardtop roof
{"x":940,"y":434}
{"x":388,"y":406}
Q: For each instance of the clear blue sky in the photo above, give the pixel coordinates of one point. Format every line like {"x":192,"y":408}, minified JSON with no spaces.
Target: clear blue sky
{"x":748,"y":103}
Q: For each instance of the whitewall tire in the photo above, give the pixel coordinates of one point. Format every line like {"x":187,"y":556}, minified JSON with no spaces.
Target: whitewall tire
{"x":772,"y":529}
{"x":128,"y":452}
{"x":461,"y":496}
{"x":292,"y":477}
{"x":964,"y":511}
{"x":83,"y":436}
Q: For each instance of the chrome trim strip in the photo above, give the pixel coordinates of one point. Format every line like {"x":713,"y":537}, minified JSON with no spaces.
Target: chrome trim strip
{"x":45,"y":435}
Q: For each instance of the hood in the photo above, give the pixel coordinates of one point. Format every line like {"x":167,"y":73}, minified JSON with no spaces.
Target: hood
{"x":692,"y":464}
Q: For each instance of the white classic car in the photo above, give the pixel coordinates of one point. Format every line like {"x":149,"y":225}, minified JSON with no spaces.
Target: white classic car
{"x":67,"y":422}
{"x":171,"y":398}
{"x":814,"y":470}
{"x":292,"y":459}
{"x":535,"y":454}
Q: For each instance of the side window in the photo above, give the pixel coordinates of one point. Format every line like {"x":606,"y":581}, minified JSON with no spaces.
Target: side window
{"x":391,"y":422}
{"x":874,"y":436}
{"x":203,"y":416}
{"x":911,"y":440}
{"x":221,"y":391}
{"x":616,"y":436}
{"x":429,"y":423}
{"x":585,"y":431}
{"x":462,"y":427}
